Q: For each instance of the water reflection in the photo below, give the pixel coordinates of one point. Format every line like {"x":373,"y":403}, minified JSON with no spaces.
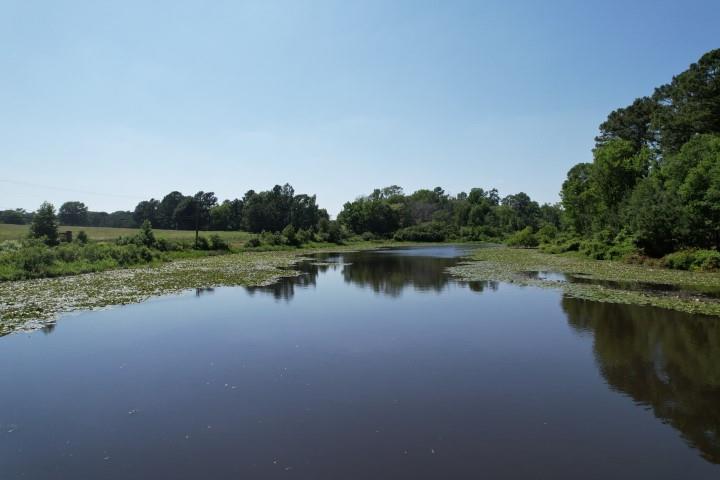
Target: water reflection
{"x":48,"y":329}
{"x":388,"y":273}
{"x":438,"y":383}
{"x":666,"y":360}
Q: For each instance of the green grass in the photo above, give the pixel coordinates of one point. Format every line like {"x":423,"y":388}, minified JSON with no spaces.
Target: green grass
{"x":104,"y":234}
{"x":510,"y":265}
{"x":30,"y":304}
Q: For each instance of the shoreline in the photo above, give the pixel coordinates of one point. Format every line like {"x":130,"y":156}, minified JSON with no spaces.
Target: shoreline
{"x":27,"y":305}
{"x":596,"y":280}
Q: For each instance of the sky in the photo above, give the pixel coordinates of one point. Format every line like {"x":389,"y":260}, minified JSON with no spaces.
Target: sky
{"x":110,"y":103}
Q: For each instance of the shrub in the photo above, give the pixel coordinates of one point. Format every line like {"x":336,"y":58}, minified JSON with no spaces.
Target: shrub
{"x":562,"y":246}
{"x":165,"y":245}
{"x":10,"y":246}
{"x":202,"y":243}
{"x":331,"y":231}
{"x":290,"y":235}
{"x":34,"y":259}
{"x":44,"y":224}
{"x":523,"y":238}
{"x":82,"y":237}
{"x":253,"y":242}
{"x":146,"y":236}
{"x":304,"y":236}
{"x":424,"y":232}
{"x":621,"y":250}
{"x":547,"y":233}
{"x":271,"y":238}
{"x":481,"y":233}
{"x":594,"y":249}
{"x":217,"y":243}
{"x":706,"y":260}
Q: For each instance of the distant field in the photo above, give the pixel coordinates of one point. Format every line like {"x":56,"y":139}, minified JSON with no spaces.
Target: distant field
{"x":17,"y":232}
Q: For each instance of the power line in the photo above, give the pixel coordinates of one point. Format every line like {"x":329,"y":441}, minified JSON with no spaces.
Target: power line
{"x":84,"y":192}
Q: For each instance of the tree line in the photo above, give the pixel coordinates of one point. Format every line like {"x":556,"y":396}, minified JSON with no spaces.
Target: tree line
{"x":652,"y":188}
{"x":654,"y":182}
{"x":74,"y":214}
{"x":256,"y":212}
{"x":270,"y":210}
{"x":385,"y":213}
{"x":436,"y":215}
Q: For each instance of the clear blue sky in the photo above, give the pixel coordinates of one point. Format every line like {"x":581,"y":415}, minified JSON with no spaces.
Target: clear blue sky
{"x":126,"y":100}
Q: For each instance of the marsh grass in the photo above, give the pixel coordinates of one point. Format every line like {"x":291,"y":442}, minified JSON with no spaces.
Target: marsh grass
{"x":32,"y":304}
{"x":511,"y":265}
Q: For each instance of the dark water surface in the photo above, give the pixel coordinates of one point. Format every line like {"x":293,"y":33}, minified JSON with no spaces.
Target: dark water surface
{"x":371,"y":365}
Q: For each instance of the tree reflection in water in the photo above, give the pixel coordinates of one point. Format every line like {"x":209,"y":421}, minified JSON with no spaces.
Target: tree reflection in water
{"x":667,"y":360}
{"x":384,"y":274}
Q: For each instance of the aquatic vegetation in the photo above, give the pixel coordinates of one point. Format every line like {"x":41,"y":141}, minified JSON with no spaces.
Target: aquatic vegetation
{"x":32,"y":304}
{"x":513,"y":265}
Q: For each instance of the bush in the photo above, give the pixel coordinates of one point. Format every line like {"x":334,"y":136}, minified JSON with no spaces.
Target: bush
{"x":10,"y":246}
{"x":594,"y":249}
{"x":146,"y":236}
{"x":562,"y":246}
{"x":165,"y":245}
{"x":482,"y":233}
{"x":704,"y":260}
{"x":217,"y":243}
{"x":202,"y":243}
{"x":271,"y":238}
{"x":424,"y":232}
{"x":331,"y":231}
{"x":290,"y":236}
{"x":368,"y":236}
{"x":621,"y":250}
{"x":523,"y":238}
{"x":253,"y":242}
{"x":44,"y":224}
{"x":82,"y":237}
{"x":603,"y":246}
{"x":547,"y":233}
{"x":35,"y":259}
{"x":304,"y":236}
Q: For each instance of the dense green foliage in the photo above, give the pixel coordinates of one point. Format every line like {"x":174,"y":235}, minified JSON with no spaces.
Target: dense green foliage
{"x":433,"y":215}
{"x":73,"y":213}
{"x":654,"y":184}
{"x":35,"y":259}
{"x":653,"y":188}
{"x":44,"y":253}
{"x":15,"y":217}
{"x":271,"y":210}
{"x":44,"y":224}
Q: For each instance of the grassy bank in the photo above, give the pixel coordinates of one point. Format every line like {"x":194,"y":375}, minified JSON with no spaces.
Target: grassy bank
{"x":599,"y":280}
{"x":31,"y":304}
{"x":106,"y":234}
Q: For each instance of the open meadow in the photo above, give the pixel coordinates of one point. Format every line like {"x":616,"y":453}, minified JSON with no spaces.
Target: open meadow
{"x":105,"y":234}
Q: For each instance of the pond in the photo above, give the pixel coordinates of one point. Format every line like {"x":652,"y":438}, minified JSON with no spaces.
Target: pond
{"x":369,"y":365}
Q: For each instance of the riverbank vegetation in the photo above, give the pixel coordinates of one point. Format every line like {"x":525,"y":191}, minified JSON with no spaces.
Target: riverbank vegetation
{"x":653,"y":187}
{"x":651,"y":196}
{"x":34,"y":303}
{"x":47,"y":253}
{"x":600,"y":280}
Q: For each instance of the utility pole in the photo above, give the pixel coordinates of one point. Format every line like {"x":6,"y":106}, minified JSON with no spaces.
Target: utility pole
{"x":197,"y":221}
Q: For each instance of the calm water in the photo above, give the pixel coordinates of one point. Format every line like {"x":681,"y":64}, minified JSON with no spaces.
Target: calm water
{"x":370,"y":365}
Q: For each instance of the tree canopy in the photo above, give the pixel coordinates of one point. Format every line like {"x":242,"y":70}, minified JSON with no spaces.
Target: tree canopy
{"x":655,"y":174}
